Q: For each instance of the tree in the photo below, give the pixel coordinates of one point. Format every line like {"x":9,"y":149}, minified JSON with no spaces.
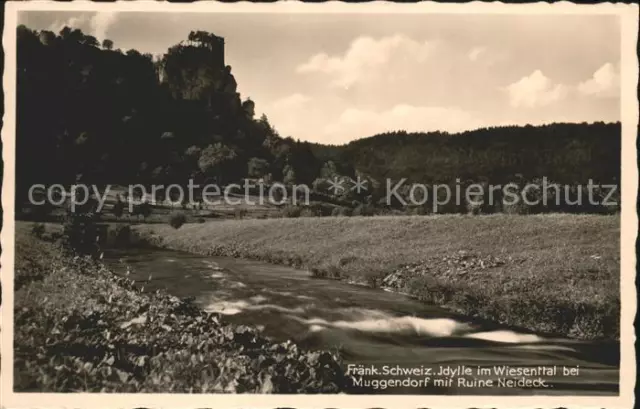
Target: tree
{"x":24,"y":31}
{"x":193,"y":152}
{"x":133,"y":53}
{"x":47,"y":37}
{"x":102,"y":113}
{"x":157,"y":173}
{"x":107,"y":44}
{"x":203,"y":38}
{"x":143,"y":209}
{"x":90,"y":41}
{"x":257,"y":167}
{"x":289,"y":175}
{"x":191,"y":156}
{"x":65,"y":32}
{"x":76,"y":36}
{"x":118,"y":208}
{"x":249,"y":108}
{"x":215,"y":159}
{"x":263,"y":121}
{"x":328,"y":170}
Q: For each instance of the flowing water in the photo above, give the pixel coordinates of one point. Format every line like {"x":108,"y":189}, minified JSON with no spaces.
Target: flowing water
{"x":371,"y":327}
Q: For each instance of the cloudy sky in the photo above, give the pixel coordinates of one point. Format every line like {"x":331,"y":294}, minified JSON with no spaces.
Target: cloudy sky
{"x":335,"y":78}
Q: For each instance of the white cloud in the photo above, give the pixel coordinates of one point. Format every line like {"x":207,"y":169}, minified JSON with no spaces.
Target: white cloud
{"x":604,"y":82}
{"x":476,"y":52}
{"x":73,"y":22}
{"x":291,"y":101}
{"x":366,"y":56}
{"x":97,"y":25}
{"x":100,"y":23}
{"x":488,"y":57}
{"x":358,"y":123}
{"x":285,"y":113}
{"x":535,"y":90}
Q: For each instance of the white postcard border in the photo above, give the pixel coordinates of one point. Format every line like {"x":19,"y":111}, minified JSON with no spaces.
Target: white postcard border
{"x":629,"y":219}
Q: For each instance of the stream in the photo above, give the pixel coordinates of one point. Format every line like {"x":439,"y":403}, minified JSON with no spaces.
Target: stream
{"x":372,"y":328}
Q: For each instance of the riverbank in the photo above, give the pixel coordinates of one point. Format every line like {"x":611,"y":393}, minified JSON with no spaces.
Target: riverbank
{"x":556,"y":274}
{"x":80,"y":328}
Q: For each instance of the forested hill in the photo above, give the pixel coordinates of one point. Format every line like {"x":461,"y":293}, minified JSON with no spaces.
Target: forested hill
{"x":89,"y":112}
{"x":567,"y":153}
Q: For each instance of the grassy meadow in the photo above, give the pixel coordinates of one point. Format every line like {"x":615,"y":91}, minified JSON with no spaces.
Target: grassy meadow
{"x":556,"y":274}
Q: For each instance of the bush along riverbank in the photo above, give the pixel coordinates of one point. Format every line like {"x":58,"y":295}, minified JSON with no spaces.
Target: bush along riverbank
{"x":78,"y":327}
{"x":555,"y":274}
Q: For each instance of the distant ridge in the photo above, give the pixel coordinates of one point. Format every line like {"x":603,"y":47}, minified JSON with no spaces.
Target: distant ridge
{"x":564,"y":152}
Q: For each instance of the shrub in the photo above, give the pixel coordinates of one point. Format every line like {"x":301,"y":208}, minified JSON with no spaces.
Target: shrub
{"x":329,"y":271}
{"x":322,"y":209}
{"x":291,"y":211}
{"x":416,"y":210}
{"x":38,"y":230}
{"x":143,"y":209}
{"x":177,"y":219}
{"x":80,"y":234}
{"x":310,"y":212}
{"x":518,"y":207}
{"x":341,"y":211}
{"x":240,"y":213}
{"x":201,"y":220}
{"x":118,"y":208}
{"x":364,"y":210}
{"x":122,"y":234}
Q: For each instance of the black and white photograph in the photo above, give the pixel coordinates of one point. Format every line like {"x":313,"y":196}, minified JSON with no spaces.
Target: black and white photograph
{"x":347,"y":205}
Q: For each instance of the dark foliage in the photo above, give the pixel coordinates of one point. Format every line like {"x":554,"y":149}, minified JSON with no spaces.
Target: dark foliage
{"x":81,"y":328}
{"x":81,"y":234}
{"x":38,"y":230}
{"x":564,"y":153}
{"x":104,"y":116}
{"x":122,"y":233}
{"x":177,"y":219}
